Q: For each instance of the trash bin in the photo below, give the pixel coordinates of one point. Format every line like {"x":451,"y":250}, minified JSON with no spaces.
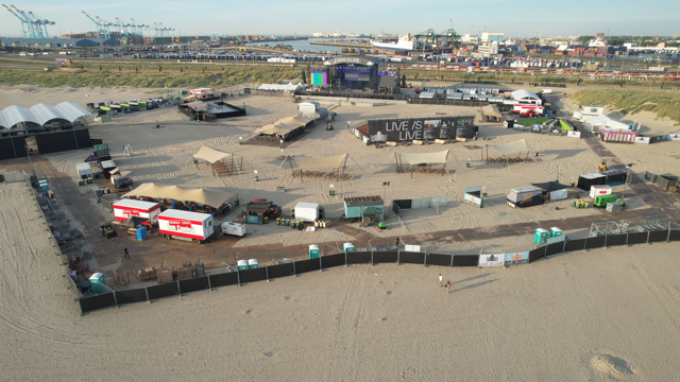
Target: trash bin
{"x":313,"y":251}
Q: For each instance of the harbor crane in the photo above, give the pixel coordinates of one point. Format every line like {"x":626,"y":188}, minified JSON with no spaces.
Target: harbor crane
{"x":32,"y":26}
{"x":162,"y":31}
{"x":102,"y":26}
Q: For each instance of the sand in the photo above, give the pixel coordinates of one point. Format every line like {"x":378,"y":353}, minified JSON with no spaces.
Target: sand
{"x":601,"y":315}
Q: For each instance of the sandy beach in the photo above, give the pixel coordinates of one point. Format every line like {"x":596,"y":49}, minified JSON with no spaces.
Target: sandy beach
{"x":601,"y":315}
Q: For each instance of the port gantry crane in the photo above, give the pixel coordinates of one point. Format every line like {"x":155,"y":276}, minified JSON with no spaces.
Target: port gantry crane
{"x":32,"y":26}
{"x":102,"y":26}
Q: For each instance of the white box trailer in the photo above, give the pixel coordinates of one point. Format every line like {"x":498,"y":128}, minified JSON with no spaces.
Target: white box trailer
{"x":308,"y":212}
{"x":124,"y":209}
{"x":84,"y":170}
{"x":186,"y":225}
{"x":234,"y":229}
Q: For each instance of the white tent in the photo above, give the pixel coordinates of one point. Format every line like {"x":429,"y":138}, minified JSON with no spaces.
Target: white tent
{"x":603,"y":122}
{"x":211,"y":155}
{"x":415,"y":159}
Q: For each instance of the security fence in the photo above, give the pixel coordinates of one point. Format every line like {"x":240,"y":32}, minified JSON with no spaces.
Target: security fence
{"x":390,"y":254}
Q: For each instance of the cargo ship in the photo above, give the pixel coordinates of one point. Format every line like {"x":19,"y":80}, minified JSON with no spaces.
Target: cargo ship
{"x":405,"y":43}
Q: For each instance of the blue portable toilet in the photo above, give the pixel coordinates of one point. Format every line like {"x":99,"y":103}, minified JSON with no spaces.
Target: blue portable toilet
{"x":141,"y":233}
{"x":174,"y":205}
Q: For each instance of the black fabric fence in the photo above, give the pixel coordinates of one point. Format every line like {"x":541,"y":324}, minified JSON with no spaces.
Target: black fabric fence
{"x":193,"y":285}
{"x":465,"y":260}
{"x":308,"y":265}
{"x":595,"y":242}
{"x":411,"y":258}
{"x":251,"y":275}
{"x":434,"y":259}
{"x":614,"y":240}
{"x":130,"y":296}
{"x":62,"y":141}
{"x":163,"y":290}
{"x":13,"y":147}
{"x":359,"y":258}
{"x":224,"y":279}
{"x":100,"y":301}
{"x":333,"y":260}
{"x":385,"y":257}
{"x":280,"y":270}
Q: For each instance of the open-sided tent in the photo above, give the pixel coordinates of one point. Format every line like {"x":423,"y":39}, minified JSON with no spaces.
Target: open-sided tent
{"x":286,"y":127}
{"x":416,"y":159}
{"x":490,"y":113}
{"x":508,"y":150}
{"x":554,"y":190}
{"x":211,"y":198}
{"x":223,"y":163}
{"x":306,"y":166}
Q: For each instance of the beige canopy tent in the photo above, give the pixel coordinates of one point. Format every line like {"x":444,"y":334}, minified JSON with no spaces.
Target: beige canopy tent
{"x":421,"y":161}
{"x":509,"y":150}
{"x":491,"y":113}
{"x":283,"y":127}
{"x":217,"y":159}
{"x":306,"y":166}
{"x":212,"y":198}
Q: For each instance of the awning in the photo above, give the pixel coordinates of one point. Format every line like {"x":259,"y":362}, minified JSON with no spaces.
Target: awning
{"x":284,"y":126}
{"x":415,"y":158}
{"x":211,"y":155}
{"x":213,"y":198}
{"x":491,"y":111}
{"x":327,"y":162}
{"x":512,"y":147}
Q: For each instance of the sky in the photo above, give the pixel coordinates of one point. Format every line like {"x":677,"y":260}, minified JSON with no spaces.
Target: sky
{"x":268,"y":17}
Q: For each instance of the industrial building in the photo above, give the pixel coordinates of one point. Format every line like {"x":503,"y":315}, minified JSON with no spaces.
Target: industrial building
{"x":492,"y":36}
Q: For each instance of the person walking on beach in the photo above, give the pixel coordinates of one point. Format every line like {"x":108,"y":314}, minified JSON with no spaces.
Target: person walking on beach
{"x":448,"y":287}
{"x":126,"y":255}
{"x":440,"y":280}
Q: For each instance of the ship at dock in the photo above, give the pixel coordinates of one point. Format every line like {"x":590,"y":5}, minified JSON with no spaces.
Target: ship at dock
{"x":405,"y":43}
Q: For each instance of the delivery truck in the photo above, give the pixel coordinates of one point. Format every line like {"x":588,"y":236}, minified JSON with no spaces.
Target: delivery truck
{"x":186,"y":225}
{"x":146,"y":212}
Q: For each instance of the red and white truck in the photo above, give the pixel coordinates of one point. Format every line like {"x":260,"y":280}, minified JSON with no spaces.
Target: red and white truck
{"x":186,"y":225}
{"x":124,"y":209}
{"x":528,"y":109}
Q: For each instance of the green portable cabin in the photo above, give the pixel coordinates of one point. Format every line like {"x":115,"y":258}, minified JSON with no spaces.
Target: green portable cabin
{"x":360,"y":206}
{"x":602,"y":200}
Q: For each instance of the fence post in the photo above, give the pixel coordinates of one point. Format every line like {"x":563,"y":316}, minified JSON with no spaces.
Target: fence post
{"x":238,"y":274}
{"x":320,"y":267}
{"x":425,"y":259}
{"x":266,"y":269}
{"x":398,"y":255}
{"x":209,"y":284}
{"x":179,"y":289}
{"x":668,"y":237}
{"x":347,"y":265}
{"x":294,"y":273}
{"x":372,"y":263}
{"x":146,"y":289}
{"x":451,"y":265}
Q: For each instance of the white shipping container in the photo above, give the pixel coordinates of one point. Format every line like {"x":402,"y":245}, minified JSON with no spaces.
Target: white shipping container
{"x":124,"y":209}
{"x":308,"y":212}
{"x":186,"y":225}
{"x":234,"y":229}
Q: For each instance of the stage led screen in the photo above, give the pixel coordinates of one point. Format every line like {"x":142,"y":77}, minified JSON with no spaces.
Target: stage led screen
{"x":397,"y":130}
{"x":357,"y":77}
{"x":319,"y":78}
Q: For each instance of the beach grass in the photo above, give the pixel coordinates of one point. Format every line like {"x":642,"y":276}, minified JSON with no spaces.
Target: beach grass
{"x":664,"y":104}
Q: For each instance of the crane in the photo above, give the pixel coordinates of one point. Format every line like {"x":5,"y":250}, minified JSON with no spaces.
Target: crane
{"x":40,"y":25}
{"x":102,"y":26}
{"x":26,"y":25}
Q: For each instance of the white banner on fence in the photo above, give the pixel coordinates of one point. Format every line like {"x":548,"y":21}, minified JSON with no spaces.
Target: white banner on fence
{"x":574,"y":134}
{"x":515,"y":258}
{"x":497,"y":260}
{"x":411,"y":248}
{"x":644,"y":140}
{"x":673,"y":137}
{"x":556,"y":239}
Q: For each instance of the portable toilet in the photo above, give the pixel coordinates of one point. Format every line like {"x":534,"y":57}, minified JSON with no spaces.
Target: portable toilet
{"x":555,"y":232}
{"x":602,"y":200}
{"x":44,"y":186}
{"x":242,"y":265}
{"x":141,"y":233}
{"x":252,"y":264}
{"x":348,"y":247}
{"x":97,"y":283}
{"x":313,"y":251}
{"x":541,"y":236}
